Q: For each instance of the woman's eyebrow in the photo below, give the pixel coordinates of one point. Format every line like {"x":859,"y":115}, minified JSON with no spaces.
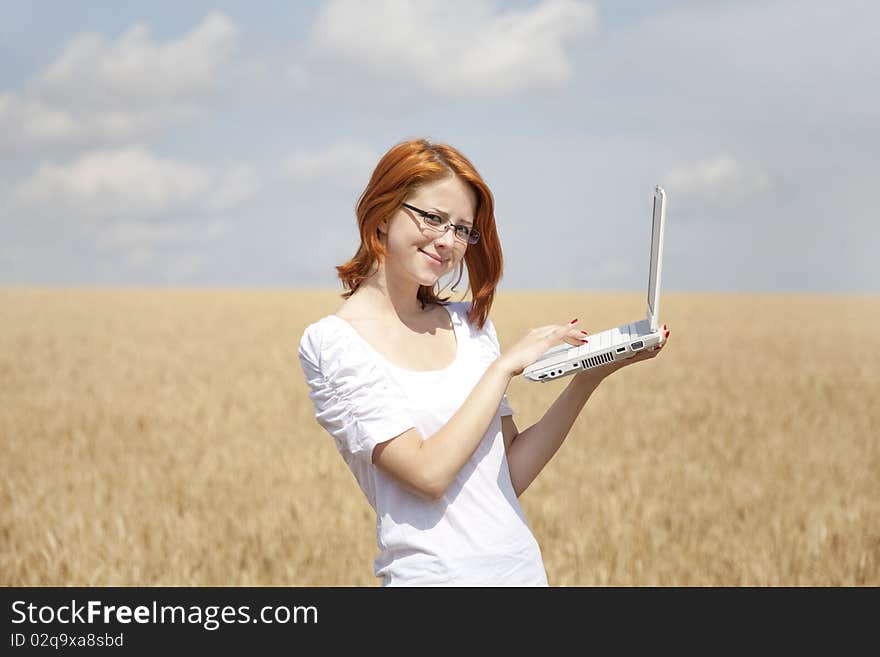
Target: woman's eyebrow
{"x":446,"y":216}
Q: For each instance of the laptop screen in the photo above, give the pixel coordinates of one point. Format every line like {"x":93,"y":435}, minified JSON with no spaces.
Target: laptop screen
{"x":659,"y":217}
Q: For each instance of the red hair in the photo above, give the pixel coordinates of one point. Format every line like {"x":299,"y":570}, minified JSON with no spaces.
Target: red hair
{"x":405,"y":167}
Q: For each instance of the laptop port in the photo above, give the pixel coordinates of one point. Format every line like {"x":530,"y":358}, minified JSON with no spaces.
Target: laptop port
{"x":543,"y":376}
{"x":638,"y":344}
{"x":620,"y":350}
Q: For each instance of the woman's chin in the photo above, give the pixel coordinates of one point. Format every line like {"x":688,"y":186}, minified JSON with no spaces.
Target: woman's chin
{"x":427,"y":281}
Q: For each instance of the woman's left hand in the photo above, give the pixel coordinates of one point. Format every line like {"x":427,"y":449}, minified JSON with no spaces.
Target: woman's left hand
{"x":646,"y":354}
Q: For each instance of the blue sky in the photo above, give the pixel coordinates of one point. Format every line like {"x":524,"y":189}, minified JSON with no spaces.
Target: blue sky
{"x":225,"y":144}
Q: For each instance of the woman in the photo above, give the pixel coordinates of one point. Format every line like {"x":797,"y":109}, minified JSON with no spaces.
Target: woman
{"x":413,"y":388}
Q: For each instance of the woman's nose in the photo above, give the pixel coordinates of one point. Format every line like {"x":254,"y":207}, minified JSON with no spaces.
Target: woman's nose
{"x":447,"y":238}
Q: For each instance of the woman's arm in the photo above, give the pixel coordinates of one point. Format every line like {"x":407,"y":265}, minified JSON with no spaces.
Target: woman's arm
{"x":428,"y":467}
{"x":530,"y":450}
{"x":533,"y":448}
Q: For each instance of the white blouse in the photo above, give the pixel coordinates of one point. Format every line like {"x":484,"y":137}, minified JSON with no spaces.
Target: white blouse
{"x":476,"y":534}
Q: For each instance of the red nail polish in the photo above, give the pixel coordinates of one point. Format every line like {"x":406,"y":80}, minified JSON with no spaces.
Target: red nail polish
{"x":573,"y":321}
{"x":584,"y":340}
{"x":584,"y":332}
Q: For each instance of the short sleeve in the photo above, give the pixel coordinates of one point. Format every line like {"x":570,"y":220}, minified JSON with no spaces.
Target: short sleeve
{"x":496,"y":351}
{"x":354,"y":399}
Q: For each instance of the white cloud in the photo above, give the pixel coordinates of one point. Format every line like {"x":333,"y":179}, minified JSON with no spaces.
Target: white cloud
{"x":790,"y":61}
{"x":720,"y":182}
{"x":347,"y":166}
{"x":100,"y":91}
{"x":442,"y":48}
{"x":125,"y":197}
{"x":234,"y":186}
{"x":137,"y":234}
{"x":110,"y":182}
{"x":786,"y":42}
{"x":29,"y":120}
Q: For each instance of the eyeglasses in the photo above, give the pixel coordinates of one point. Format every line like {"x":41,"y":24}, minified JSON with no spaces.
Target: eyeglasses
{"x":462,"y":233}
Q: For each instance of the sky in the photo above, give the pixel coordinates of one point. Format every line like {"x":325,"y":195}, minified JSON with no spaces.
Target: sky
{"x":225,"y":144}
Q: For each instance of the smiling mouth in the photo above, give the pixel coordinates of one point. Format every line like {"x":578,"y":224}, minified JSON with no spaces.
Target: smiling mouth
{"x":432,"y":257}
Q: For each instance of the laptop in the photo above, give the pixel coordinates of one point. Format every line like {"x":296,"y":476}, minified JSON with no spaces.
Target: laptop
{"x":619,"y":343}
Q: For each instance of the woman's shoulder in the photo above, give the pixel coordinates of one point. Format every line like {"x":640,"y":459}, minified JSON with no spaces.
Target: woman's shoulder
{"x":462,"y":309}
{"x":459,"y":309}
{"x":486,"y":336}
{"x":322,"y":341}
{"x":326,"y":326}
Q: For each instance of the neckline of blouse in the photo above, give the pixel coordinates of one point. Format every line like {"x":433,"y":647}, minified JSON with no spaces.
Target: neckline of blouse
{"x":458,"y":346}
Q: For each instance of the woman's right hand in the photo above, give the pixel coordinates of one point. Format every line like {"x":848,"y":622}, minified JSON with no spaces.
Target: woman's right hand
{"x":536,"y":342}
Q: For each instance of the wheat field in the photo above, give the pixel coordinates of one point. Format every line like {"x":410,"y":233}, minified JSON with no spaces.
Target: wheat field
{"x":165,"y":438}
